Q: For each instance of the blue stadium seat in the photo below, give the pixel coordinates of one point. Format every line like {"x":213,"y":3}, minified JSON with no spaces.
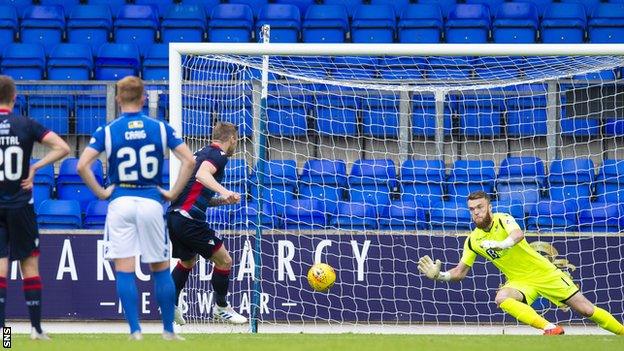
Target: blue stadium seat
{"x":69,"y":185}
{"x":231,"y":23}
{"x":68,"y":5}
{"x":380,"y":117}
{"x":601,"y":217}
{"x":580,"y":126}
{"x":521,"y":179}
{"x":162,"y":6}
{"x":450,"y":215}
{"x":468,"y":176}
{"x":445,"y":5}
{"x":397,"y":5}
{"x":614,"y":127}
{"x":43,"y":184}
{"x":238,"y":113}
{"x":136,"y":24}
{"x":303,"y":5}
{"x":354,"y":216}
{"x":526,"y":116}
{"x":20,"y":5}
{"x":90,"y":110}
{"x":95,"y":216}
{"x":403,"y":215}
{"x":183,"y":23}
{"x":402,"y":68}
{"x":354,"y":67}
{"x":515,"y":22}
{"x":156,"y":63}
{"x":70,"y":62}
{"x":278,"y":183}
{"x":51,"y":107}
{"x":325,"y":24}
{"x":564,"y":23}
{"x":220,"y":218}
{"x":607,"y":24}
{"x":610,"y":181}
{"x":371,"y":182}
{"x":196,"y":117}
{"x":245,"y":216}
{"x":8,"y":24}
{"x":491,"y":4}
{"x":43,"y":25}
{"x":336,"y":112}
{"x":324,"y":172}
{"x":589,"y":5}
{"x":513,"y":208}
{"x":23,"y":61}
{"x":373,"y":24}
{"x":424,"y":116}
{"x":552,"y":216}
{"x":350,"y":5}
{"x":59,"y":214}
{"x":540,"y":5}
{"x":468,"y":23}
{"x":115,"y":61}
{"x":287,"y":112}
{"x":285,"y":22}
{"x":422,"y":181}
{"x":255,"y":5}
{"x":420,"y":23}
{"x":236,"y":176}
{"x":480,"y":116}
{"x":449,"y":68}
{"x":305,"y":214}
{"x":90,"y":24}
{"x":113,"y":5}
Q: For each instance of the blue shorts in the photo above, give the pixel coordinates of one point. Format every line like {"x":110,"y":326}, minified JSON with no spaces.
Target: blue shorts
{"x":19,"y":234}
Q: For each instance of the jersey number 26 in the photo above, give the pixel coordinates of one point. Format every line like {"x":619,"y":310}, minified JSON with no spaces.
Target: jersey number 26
{"x":148,"y":165}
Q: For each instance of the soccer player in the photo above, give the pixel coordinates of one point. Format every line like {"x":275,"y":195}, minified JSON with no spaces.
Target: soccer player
{"x":135,"y":146}
{"x":498,"y":238}
{"x":189,"y":232}
{"x":19,"y":235}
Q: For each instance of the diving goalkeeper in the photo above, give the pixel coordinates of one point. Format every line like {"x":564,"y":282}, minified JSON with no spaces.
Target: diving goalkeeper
{"x":498,"y":238}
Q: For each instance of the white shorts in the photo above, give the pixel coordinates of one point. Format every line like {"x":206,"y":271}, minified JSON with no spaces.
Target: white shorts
{"x":135,"y":226}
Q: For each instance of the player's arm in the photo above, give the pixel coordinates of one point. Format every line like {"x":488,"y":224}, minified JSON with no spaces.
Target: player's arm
{"x":433,"y":270}
{"x":89,"y":155}
{"x":184,"y":154}
{"x":205,"y":175}
{"x":515,"y":236}
{"x":58,"y":149}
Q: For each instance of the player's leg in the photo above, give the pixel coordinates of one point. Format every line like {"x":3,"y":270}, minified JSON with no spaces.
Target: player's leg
{"x":604,"y":319}
{"x":220,"y":283}
{"x":122,"y":246}
{"x":4,"y":266}
{"x":515,"y":299}
{"x":154,"y":246}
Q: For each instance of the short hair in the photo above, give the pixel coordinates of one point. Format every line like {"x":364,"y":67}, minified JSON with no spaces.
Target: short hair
{"x":224,"y":130}
{"x":7,"y":90}
{"x":479,"y":194}
{"x":130,"y":90}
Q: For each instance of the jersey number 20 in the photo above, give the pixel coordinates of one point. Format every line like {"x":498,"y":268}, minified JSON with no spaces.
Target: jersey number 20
{"x":11,"y":171}
{"x":147,"y":164}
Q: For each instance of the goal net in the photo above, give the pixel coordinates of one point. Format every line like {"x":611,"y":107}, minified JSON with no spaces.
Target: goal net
{"x":362,"y":157}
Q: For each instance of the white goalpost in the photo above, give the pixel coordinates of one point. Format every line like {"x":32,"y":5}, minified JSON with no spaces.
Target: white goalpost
{"x":362,"y":156}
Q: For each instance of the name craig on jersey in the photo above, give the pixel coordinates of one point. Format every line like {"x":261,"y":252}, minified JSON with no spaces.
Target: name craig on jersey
{"x":135,"y":134}
{"x":9,"y":140}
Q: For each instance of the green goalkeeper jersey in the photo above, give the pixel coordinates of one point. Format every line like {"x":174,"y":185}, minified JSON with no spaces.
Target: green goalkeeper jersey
{"x":519,"y":262}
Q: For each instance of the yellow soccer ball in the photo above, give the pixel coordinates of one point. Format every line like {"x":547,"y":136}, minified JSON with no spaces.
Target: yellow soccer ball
{"x":321,"y":277}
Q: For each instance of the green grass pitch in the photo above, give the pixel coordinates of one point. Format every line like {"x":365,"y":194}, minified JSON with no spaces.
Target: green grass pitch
{"x":322,"y":342}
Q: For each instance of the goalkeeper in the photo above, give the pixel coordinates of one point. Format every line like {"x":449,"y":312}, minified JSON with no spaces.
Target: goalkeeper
{"x":498,"y":238}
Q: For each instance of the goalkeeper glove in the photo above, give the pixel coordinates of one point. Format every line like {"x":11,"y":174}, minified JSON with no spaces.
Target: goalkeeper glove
{"x":431,"y":269}
{"x":498,"y":245}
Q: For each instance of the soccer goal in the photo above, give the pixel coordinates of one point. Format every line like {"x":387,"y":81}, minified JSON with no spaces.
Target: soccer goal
{"x":362,"y":156}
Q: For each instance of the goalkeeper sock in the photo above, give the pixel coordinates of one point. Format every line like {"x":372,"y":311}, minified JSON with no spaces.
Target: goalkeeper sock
{"x":524,"y":313}
{"x":165,"y":295}
{"x":606,"y":321}
{"x":32,"y":295}
{"x":220,"y":283}
{"x":129,"y":296}
{"x":180,"y":275}
{"x":3,"y":288}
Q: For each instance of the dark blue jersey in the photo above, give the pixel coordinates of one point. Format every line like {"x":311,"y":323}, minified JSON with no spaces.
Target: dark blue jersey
{"x":17,"y":137}
{"x":195,"y":198}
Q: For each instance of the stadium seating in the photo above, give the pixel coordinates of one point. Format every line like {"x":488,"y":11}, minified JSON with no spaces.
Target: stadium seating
{"x":371,"y":182}
{"x":468,"y":176}
{"x":255,"y":5}
{"x":526,"y":116}
{"x":43,"y":184}
{"x":403,"y":215}
{"x":69,"y":185}
{"x":70,"y":62}
{"x":286,"y":112}
{"x":445,"y":5}
{"x":50,"y":107}
{"x":420,"y":23}
{"x":373,"y":24}
{"x":607,"y":24}
{"x":115,"y":61}
{"x":8,"y":24}
{"x":279,"y":180}
{"x":589,"y":5}
{"x":23,"y":61}
{"x":113,"y":5}
{"x":136,"y":24}
{"x":303,"y":5}
{"x":285,"y":22}
{"x":540,"y":5}
{"x":156,"y":63}
{"x":59,"y":214}
{"x":236,"y":175}
{"x":424,"y":116}
{"x":336,"y":114}
{"x":90,"y":24}
{"x":580,"y":126}
{"x":231,"y":23}
{"x":491,"y":4}
{"x":521,"y":179}
{"x":350,"y":5}
{"x":43,"y":25}
{"x":162,"y":6}
{"x":380,"y":118}
{"x":354,"y":216}
{"x":325,"y":24}
{"x":515,"y":22}
{"x":306,"y":213}
{"x":513,"y":208}
{"x":468,"y":23}
{"x":422,"y":181}
{"x":183,"y":23}
{"x":452,"y":214}
{"x":480,"y":116}
{"x":324,"y":180}
{"x":564,"y":23}
{"x":95,"y":216}
{"x":397,"y":5}
{"x":90,"y":110}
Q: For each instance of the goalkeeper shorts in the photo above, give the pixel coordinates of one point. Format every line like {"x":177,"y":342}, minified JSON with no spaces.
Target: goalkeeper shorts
{"x":557,"y":287}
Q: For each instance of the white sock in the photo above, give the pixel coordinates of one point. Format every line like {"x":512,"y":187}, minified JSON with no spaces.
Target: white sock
{"x":550,"y":326}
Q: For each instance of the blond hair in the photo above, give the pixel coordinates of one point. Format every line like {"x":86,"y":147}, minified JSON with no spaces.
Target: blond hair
{"x":130,"y":90}
{"x":223,"y":131}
